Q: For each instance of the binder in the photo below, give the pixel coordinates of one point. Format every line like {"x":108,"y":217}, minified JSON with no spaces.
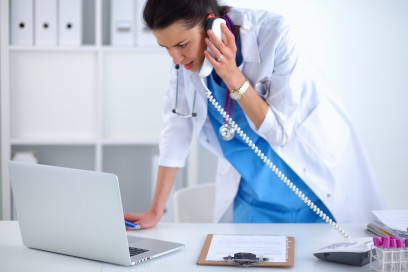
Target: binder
{"x":122,"y":22}
{"x":22,"y":22}
{"x":45,"y":22}
{"x":143,"y":35}
{"x":290,"y":253}
{"x":70,"y":22}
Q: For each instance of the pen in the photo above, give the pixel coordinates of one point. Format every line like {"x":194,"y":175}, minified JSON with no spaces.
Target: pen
{"x":132,"y":225}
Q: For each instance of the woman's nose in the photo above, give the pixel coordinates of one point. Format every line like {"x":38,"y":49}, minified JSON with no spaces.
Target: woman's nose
{"x":175,"y":55}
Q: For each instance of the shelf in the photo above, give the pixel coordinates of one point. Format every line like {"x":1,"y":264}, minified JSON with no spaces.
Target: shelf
{"x":138,"y":141}
{"x":88,"y":48}
{"x":80,"y":157}
{"x":135,"y":169}
{"x":30,"y":48}
{"x":93,"y":106}
{"x":132,"y":94}
{"x":134,"y":49}
{"x":52,"y":142}
{"x":53,"y":95}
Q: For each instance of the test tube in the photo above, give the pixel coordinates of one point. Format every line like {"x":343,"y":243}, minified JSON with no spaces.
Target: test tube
{"x":405,"y":261}
{"x":387,"y":254}
{"x":394,"y":254}
{"x":378,"y":250}
{"x":401,"y":257}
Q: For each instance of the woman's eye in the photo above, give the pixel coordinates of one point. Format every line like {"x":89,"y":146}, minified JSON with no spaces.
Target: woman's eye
{"x":183,"y":45}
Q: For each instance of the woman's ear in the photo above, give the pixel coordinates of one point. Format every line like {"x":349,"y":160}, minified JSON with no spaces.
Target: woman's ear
{"x":211,"y":15}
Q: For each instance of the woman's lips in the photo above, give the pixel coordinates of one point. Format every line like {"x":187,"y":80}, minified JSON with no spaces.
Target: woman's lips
{"x":188,"y":66}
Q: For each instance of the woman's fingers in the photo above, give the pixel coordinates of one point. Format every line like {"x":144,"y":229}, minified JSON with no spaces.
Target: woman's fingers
{"x":221,"y":53}
{"x":215,"y":51}
{"x":227,"y":42}
{"x":228,"y":38}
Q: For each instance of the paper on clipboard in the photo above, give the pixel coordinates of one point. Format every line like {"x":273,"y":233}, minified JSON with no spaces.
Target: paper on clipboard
{"x":289,"y":251}
{"x":271,"y":247}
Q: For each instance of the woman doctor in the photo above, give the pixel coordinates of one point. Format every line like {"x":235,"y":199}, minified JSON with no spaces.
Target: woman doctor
{"x":259,"y":81}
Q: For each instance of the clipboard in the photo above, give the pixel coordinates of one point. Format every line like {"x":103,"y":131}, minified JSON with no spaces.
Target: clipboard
{"x":290,"y":251}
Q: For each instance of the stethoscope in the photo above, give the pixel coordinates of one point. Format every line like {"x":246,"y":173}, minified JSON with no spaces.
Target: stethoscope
{"x":192,"y":114}
{"x":226,"y":131}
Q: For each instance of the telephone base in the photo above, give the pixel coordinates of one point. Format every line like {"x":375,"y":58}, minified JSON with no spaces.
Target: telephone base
{"x":356,"y":251}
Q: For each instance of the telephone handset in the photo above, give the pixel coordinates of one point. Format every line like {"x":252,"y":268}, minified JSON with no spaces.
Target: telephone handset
{"x":215,"y":25}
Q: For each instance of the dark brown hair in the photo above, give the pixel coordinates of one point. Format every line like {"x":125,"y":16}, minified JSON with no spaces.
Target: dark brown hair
{"x":159,"y":14}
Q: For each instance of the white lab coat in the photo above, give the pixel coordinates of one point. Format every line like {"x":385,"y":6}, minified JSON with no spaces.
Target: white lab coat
{"x":304,"y":125}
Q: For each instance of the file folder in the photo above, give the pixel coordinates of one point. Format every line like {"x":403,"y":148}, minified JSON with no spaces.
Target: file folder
{"x":143,"y":35}
{"x":45,"y":22}
{"x":70,"y":22}
{"x":22,"y":22}
{"x":122,"y":22}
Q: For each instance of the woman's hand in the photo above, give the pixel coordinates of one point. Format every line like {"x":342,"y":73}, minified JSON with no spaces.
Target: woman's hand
{"x":225,"y":51}
{"x":144,"y":220}
{"x":252,"y":104}
{"x":164,"y":184}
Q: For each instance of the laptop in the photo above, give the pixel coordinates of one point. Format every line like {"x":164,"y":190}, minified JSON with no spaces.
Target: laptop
{"x":78,"y":213}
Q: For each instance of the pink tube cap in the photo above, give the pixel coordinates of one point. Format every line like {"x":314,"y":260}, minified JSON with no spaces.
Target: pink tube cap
{"x":399,"y":243}
{"x":386,"y":242}
{"x":377,"y":241}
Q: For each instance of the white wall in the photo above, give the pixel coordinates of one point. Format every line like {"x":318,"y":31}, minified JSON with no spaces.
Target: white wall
{"x":1,"y":174}
{"x":3,"y":84}
{"x":360,"y":48}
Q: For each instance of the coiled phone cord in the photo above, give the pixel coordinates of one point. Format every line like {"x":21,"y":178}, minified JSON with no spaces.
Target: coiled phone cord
{"x":275,"y":169}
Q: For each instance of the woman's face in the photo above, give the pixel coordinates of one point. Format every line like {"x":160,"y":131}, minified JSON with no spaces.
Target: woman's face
{"x":185,"y":46}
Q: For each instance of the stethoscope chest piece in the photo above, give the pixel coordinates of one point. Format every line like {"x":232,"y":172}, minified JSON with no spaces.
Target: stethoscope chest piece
{"x":226,"y":132}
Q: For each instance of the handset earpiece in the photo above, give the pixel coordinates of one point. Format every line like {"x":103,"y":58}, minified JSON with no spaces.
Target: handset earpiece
{"x":215,"y":25}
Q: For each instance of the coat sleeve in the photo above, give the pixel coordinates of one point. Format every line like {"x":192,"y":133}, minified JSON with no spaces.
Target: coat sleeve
{"x":176,"y":133}
{"x":285,"y":80}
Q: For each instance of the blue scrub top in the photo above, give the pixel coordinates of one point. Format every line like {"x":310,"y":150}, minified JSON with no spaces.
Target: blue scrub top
{"x":262,"y":196}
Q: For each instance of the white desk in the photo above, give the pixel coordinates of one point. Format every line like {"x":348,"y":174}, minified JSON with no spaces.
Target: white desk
{"x":14,"y":256}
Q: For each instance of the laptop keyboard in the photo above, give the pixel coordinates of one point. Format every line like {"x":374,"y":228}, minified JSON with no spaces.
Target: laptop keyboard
{"x":135,"y":251}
